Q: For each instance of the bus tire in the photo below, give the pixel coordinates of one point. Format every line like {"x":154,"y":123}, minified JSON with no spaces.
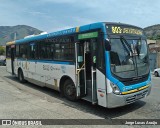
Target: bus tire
{"x":69,"y":90}
{"x":156,"y":74}
{"x":21,"y":76}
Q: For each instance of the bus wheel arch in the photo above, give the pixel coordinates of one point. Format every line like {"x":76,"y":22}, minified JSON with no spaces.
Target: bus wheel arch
{"x":68,"y":88}
{"x":156,"y":74}
{"x":21,"y":75}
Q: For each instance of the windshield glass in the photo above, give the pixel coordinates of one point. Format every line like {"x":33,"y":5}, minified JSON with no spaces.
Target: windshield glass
{"x":129,"y":57}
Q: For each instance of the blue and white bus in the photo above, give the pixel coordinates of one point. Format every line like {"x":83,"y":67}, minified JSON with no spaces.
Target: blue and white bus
{"x":104,"y":63}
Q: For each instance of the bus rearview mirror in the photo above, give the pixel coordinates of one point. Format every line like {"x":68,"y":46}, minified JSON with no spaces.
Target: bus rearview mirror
{"x":107,"y":45}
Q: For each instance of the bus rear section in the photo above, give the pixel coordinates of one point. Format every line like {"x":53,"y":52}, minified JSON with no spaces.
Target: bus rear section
{"x":10,"y":57}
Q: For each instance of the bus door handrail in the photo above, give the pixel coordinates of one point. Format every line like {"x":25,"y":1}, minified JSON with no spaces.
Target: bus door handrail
{"x":80,"y":69}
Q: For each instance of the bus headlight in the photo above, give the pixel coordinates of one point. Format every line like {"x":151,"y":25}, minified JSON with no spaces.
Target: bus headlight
{"x":115,"y":88}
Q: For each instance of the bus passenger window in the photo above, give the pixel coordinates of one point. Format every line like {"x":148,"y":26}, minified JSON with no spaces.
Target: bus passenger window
{"x":17,"y":50}
{"x":8,"y":51}
{"x":23,"y":51}
{"x":32,"y":51}
{"x":46,"y":50}
{"x":67,"y":51}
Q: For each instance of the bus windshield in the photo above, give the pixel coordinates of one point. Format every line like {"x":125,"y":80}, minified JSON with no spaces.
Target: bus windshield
{"x":129,"y":57}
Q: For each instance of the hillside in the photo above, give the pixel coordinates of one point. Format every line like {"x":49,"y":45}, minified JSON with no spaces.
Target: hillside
{"x":7,"y":33}
{"x":152,"y":32}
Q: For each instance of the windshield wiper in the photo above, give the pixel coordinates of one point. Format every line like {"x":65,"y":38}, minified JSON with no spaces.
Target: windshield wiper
{"x":137,"y":47}
{"x":125,"y":43}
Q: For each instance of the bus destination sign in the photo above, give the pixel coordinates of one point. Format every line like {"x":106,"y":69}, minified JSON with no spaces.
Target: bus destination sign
{"x":124,"y":30}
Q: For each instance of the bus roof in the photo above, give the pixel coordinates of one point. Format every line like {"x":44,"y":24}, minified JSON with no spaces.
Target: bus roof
{"x":62,"y":32}
{"x":83,"y":28}
{"x":10,"y":43}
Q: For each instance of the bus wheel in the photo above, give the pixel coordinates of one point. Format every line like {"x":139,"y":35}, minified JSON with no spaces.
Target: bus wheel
{"x":21,"y":76}
{"x":156,"y":74}
{"x":69,"y":90}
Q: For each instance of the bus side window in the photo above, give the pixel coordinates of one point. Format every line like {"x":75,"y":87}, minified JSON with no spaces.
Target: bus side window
{"x":45,"y":50}
{"x":67,"y":52}
{"x":8,"y":51}
{"x":52,"y":51}
{"x":23,"y":51}
{"x":32,"y":51}
{"x":57,"y":52}
{"x":17,"y":51}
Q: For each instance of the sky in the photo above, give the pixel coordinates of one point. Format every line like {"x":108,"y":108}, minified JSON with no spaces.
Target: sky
{"x":53,"y":15}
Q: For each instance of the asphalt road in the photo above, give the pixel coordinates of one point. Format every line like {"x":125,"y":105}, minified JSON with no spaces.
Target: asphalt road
{"x":28,"y":101}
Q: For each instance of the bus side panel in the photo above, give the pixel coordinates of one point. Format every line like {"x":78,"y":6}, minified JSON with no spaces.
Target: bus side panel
{"x":65,"y":70}
{"x":30,"y":73}
{"x":40,"y":74}
{"x":24,"y":66}
{"x":8,"y":65}
{"x":16,"y":67}
{"x":50,"y":73}
{"x":101,"y":89}
{"x":45,"y":73}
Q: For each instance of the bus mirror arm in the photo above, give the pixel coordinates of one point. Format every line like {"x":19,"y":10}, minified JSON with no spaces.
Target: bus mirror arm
{"x":107,"y":45}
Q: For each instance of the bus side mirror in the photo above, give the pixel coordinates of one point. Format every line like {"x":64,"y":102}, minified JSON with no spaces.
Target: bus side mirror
{"x":107,"y":45}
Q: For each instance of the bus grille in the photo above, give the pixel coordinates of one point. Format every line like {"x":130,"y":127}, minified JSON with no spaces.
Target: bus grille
{"x":135,"y":97}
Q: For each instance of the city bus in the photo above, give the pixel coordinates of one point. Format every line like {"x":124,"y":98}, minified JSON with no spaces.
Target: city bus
{"x":104,"y":63}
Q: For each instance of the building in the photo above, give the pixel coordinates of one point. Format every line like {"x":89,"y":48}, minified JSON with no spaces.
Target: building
{"x":154,"y":53}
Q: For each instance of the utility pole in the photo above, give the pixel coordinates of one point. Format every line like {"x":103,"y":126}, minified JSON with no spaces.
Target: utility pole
{"x":15,"y":36}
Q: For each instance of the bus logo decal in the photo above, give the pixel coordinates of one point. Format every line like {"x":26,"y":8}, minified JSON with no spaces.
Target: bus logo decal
{"x":63,"y":69}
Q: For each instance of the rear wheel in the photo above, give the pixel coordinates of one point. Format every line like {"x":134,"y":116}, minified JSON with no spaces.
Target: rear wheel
{"x":69,"y":90}
{"x":156,"y":74}
{"x":21,"y":76}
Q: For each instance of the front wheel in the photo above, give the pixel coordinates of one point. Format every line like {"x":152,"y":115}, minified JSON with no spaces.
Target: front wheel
{"x":70,"y":90}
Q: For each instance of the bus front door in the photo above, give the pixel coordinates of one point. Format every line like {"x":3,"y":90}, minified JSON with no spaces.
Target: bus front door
{"x":80,"y":69}
{"x":86,"y":69}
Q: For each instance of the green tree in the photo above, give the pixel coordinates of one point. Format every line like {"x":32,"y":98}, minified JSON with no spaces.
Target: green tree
{"x":158,"y":36}
{"x":2,"y":50}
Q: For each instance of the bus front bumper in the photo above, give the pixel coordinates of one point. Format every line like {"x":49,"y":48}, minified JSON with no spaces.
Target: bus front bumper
{"x":121,"y":100}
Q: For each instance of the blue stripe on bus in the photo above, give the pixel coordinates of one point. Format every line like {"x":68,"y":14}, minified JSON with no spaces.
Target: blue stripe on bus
{"x":91,"y":27}
{"x":48,"y":61}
